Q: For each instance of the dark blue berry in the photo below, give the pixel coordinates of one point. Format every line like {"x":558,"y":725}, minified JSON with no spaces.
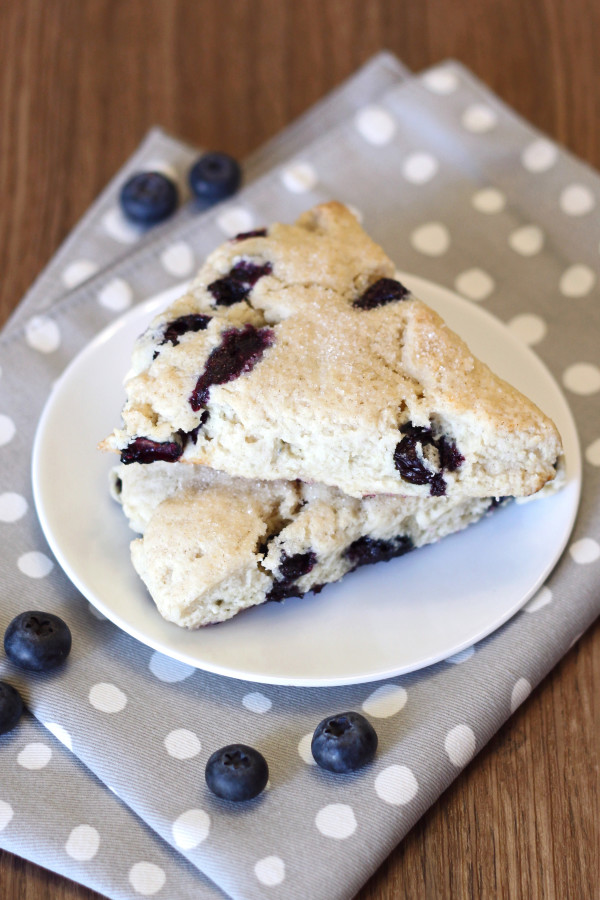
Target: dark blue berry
{"x":236,"y":772}
{"x":344,"y":742}
{"x":238,"y":353}
{"x":410,"y":463}
{"x":148,"y":198}
{"x":11,"y":707}
{"x":367,"y":549}
{"x":175,"y":329}
{"x":384,"y":291}
{"x":291,"y":568}
{"x":244,"y":235}
{"x":143,"y":450}
{"x":237,"y":284}
{"x":215,"y":176}
{"x":37,"y":641}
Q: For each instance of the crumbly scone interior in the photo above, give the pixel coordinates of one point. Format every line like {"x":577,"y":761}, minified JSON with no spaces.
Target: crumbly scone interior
{"x":212,"y":545}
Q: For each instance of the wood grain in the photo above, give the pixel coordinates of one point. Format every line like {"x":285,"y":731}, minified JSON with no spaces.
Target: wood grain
{"x":80,"y":83}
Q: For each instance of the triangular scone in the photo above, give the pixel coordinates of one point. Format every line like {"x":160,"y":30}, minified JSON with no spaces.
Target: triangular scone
{"x":213,"y":545}
{"x":296,"y":354}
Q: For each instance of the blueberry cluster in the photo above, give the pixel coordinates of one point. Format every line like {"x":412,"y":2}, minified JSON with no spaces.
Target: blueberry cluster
{"x":341,"y":743}
{"x":148,"y":198}
{"x":38,"y":642}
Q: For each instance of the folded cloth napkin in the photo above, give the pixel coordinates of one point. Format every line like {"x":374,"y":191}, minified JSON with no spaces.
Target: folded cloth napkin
{"x":462,"y":192}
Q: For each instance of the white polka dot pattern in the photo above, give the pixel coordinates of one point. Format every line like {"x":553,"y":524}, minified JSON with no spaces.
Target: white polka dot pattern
{"x":163,"y":166}
{"x":431,"y":239}
{"x":299,"y":177}
{"x":375,"y":125}
{"x":582,"y":378}
{"x":178,"y":259}
{"x":107,"y":698}
{"x":462,"y":656}
{"x":420,"y":168}
{"x":441,"y":81}
{"x":479,"y":118}
{"x":182,"y":744}
{"x":6,"y":814}
{"x":489,"y":201}
{"x":539,"y":156}
{"x":396,"y":785}
{"x":528,"y":328}
{"x":12,"y":507}
{"x":42,"y":334}
{"x":460,"y":745}
{"x":304,"y":751}
{"x":78,"y":271}
{"x":520,"y":693}
{"x":235,"y":220}
{"x":146,"y":878}
{"x":35,"y":564}
{"x":475,"y":284}
{"x":116,"y":295}
{"x":270,"y":871}
{"x":577,"y":281}
{"x":577,"y":200}
{"x":169,"y":670}
{"x":83,"y":843}
{"x":527,"y":240}
{"x":585,"y":551}
{"x":337,"y":820}
{"x":7,"y":429}
{"x":385,"y":701}
{"x":539,"y":600}
{"x":191,"y":828}
{"x":118,"y":228}
{"x":35,"y":756}
{"x":257,"y":702}
{"x":592,"y":453}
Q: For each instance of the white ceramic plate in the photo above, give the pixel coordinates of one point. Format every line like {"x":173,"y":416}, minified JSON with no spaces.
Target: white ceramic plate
{"x":382,"y":620}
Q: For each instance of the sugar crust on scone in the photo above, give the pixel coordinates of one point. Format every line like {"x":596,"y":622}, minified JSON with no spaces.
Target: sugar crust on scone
{"x":373,"y":398}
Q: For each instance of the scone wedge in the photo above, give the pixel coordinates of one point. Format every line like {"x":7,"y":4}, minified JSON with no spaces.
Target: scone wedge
{"x":212,"y":545}
{"x":298,"y":355}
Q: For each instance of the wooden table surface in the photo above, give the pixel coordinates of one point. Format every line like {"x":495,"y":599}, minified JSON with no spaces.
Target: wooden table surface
{"x":80,"y":83}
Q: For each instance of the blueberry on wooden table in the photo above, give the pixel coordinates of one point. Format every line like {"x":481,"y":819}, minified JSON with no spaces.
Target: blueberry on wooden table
{"x":215,"y":176}
{"x":236,"y":772}
{"x":148,"y":198}
{"x":11,"y":707}
{"x":344,"y":742}
{"x":37,"y":640}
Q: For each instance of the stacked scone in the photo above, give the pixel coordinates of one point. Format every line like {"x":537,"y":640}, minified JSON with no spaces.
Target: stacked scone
{"x":299,"y":413}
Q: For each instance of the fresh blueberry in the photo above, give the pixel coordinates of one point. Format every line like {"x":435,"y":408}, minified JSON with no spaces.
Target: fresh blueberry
{"x":236,"y":772}
{"x":148,"y":198}
{"x":11,"y":707}
{"x":214,"y":176}
{"x":37,"y":641}
{"x":344,"y":742}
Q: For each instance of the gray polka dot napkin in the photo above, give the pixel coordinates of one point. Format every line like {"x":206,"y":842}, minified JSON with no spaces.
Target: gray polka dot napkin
{"x":461,"y":192}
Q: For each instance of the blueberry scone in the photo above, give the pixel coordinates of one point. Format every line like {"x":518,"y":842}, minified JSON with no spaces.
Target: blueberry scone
{"x":212,"y":545}
{"x":297,"y":354}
